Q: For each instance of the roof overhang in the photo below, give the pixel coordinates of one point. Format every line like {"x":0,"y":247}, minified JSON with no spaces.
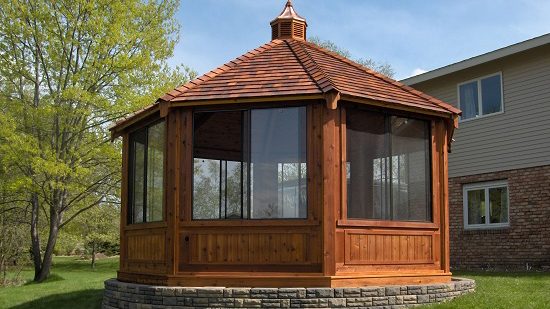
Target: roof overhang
{"x":477,"y":60}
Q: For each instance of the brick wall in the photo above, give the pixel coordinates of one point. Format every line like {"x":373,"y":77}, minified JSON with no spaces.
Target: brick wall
{"x":527,"y":240}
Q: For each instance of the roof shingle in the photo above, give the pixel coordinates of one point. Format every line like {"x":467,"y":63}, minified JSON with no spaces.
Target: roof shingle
{"x":294,"y":67}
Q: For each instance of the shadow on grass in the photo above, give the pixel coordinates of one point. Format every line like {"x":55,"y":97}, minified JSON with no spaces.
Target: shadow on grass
{"x":85,"y":299}
{"x":51,"y":278}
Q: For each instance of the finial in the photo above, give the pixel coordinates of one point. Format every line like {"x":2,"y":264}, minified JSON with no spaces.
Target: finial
{"x":288,"y":25}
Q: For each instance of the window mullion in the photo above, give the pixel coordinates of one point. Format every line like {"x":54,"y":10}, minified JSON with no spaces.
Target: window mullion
{"x":480,"y":98}
{"x":145,"y":165}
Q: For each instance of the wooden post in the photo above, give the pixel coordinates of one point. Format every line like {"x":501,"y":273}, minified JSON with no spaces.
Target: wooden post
{"x":331,"y":185}
{"x":124,"y":203}
{"x":173,"y":148}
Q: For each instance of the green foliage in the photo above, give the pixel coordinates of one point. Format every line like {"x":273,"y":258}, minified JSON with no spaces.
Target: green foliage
{"x":380,"y":67}
{"x":68,"y":69}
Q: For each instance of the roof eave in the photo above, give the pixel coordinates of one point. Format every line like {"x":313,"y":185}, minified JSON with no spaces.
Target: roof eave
{"x":480,"y":59}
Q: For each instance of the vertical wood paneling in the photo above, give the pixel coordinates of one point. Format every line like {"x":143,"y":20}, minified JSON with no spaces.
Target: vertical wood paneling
{"x":250,"y":248}
{"x":146,"y":247}
{"x":376,"y":249}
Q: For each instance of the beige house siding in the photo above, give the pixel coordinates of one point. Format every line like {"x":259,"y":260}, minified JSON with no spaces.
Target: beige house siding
{"x":517,"y":138}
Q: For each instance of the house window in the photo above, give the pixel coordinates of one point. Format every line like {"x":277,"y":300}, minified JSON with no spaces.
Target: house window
{"x":146,"y":174}
{"x":388,"y":167}
{"x":486,"y":205}
{"x":481,"y":97}
{"x":250,"y":164}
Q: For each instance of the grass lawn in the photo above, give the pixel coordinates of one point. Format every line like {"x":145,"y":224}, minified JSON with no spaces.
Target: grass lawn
{"x":503,"y":290}
{"x":74,"y":285}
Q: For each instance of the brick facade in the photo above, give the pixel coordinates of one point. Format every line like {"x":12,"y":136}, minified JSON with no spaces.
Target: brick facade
{"x":525,"y":243}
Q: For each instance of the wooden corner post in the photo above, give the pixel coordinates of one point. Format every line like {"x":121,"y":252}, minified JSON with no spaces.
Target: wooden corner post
{"x":331,"y":183}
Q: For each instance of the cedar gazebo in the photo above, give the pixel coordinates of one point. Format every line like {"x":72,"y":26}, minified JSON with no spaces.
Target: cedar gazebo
{"x":289,"y":166}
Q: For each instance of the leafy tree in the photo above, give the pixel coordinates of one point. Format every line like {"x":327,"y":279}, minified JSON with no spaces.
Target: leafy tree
{"x":68,"y":68}
{"x":380,"y":67}
{"x":99,"y":226}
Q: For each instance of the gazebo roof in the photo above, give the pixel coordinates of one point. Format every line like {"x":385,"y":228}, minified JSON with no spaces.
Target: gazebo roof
{"x":294,"y":69}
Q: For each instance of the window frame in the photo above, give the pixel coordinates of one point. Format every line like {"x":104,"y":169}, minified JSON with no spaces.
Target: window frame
{"x":247,"y":136}
{"x":480,"y":96}
{"x":485,"y":186}
{"x":344,"y":221}
{"x":131,"y":172}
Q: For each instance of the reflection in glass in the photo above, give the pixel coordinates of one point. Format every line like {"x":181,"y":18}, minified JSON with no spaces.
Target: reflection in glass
{"x":491,"y":94}
{"x":469,"y":103}
{"x":250,"y":164}
{"x":498,"y":205}
{"x":146,"y":174}
{"x":388,"y":167}
{"x":138,"y":176}
{"x":277,"y":159}
{"x":218,"y":169}
{"x":155,"y":171}
{"x":476,"y":206}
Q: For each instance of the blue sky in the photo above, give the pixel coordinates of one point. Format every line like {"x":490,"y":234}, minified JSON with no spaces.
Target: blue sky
{"x":410,"y":35}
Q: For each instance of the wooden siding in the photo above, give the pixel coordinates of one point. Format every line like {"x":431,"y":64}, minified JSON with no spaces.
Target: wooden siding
{"x":517,"y":138}
{"x":363,"y":247}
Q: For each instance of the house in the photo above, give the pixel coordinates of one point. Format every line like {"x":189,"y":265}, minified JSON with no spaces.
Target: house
{"x":499,"y":167}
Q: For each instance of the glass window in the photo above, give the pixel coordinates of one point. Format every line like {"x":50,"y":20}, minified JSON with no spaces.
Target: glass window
{"x":486,"y":205}
{"x":270,"y":143}
{"x":481,"y":97}
{"x":146,"y":175}
{"x":388,"y":167}
{"x":469,"y":102}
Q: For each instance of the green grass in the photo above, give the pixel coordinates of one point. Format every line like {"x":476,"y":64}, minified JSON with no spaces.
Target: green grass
{"x":72,"y":284}
{"x":503,"y":290}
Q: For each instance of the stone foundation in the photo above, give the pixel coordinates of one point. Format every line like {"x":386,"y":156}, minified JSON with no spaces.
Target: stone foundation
{"x":136,"y":296}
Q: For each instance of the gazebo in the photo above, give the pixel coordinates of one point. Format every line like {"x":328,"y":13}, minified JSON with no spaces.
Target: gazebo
{"x":290,"y":166}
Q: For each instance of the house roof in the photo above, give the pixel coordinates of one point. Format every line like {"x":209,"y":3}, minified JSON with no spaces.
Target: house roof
{"x":477,"y":60}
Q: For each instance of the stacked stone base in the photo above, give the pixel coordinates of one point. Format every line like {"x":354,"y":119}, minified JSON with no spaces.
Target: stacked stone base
{"x":136,"y":296}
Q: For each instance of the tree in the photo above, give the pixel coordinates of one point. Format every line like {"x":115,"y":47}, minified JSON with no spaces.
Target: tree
{"x":68,"y":68}
{"x":99,"y":226}
{"x":380,"y":67}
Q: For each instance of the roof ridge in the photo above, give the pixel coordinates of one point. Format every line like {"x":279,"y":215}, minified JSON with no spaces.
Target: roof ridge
{"x":324,"y":82}
{"x":386,"y":79}
{"x":219,"y":70}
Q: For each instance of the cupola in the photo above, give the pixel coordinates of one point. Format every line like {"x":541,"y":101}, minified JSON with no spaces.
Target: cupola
{"x":288,"y":25}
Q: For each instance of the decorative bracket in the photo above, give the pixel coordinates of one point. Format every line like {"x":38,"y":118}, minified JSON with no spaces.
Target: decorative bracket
{"x":332,"y":99}
{"x":164,"y":107}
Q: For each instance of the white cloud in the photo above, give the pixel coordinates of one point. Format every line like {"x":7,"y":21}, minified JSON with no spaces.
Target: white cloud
{"x":418,"y":71}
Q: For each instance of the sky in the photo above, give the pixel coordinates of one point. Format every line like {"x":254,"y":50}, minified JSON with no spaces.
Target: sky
{"x":413,"y":36}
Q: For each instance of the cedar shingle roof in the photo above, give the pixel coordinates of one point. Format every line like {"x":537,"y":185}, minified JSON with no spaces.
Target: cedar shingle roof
{"x":289,"y":67}
{"x":295,"y":67}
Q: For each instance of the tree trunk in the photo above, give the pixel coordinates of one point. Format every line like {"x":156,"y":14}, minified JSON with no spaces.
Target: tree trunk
{"x":93,"y":255}
{"x":3,"y":270}
{"x":44,"y":272}
{"x":35,"y":238}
